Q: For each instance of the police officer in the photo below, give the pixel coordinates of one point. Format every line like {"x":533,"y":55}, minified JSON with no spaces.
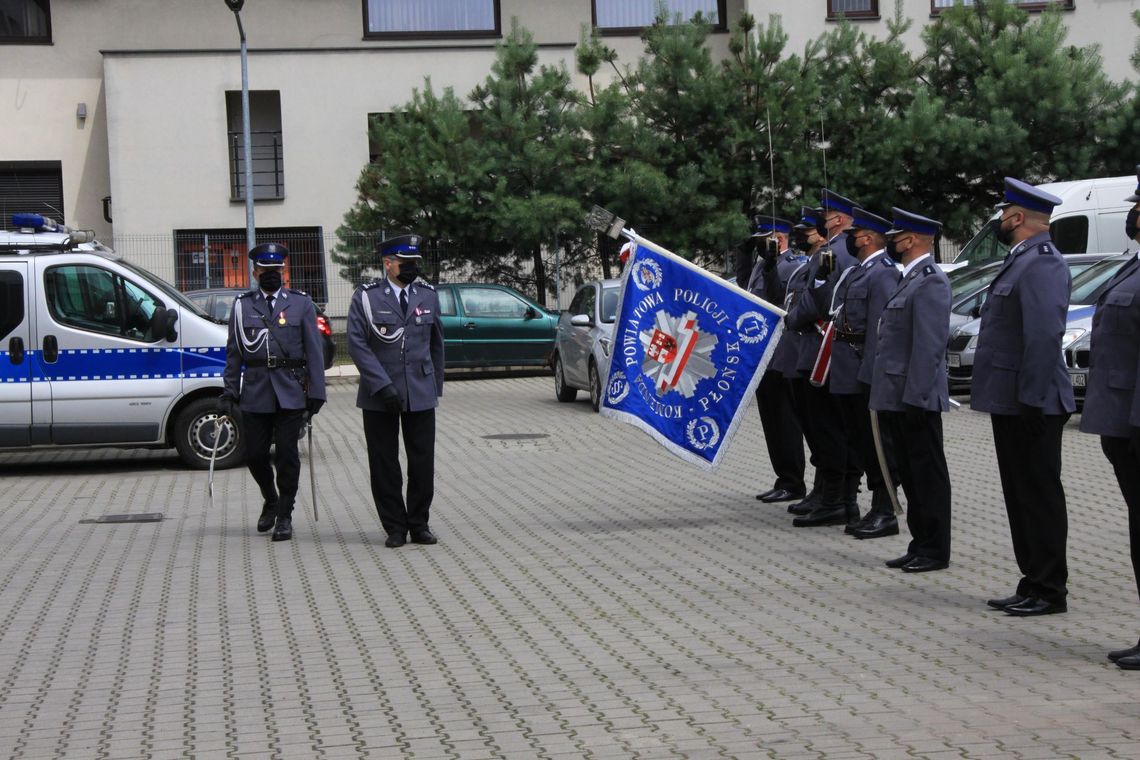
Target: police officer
{"x":909,"y":390}
{"x":839,"y":476}
{"x":1112,"y":405}
{"x":1020,"y":379}
{"x":273,"y":333}
{"x":857,"y":302}
{"x":782,"y":433}
{"x":395,"y":338}
{"x":786,"y":356}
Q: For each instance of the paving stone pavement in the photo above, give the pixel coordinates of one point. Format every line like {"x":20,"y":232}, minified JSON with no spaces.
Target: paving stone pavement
{"x":591,"y":597}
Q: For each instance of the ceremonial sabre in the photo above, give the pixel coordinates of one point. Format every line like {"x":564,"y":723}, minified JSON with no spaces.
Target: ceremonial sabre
{"x":213,"y":457}
{"x":881,"y":454}
{"x":312,"y":475}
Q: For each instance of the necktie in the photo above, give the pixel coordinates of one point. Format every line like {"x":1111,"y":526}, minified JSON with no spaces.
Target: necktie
{"x":269,"y":300}
{"x":404,"y":302}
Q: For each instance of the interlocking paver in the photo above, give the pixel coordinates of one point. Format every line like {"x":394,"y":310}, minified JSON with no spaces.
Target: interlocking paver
{"x":590,"y":598}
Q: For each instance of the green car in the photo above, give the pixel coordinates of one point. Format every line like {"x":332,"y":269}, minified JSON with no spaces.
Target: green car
{"x":493,"y":326}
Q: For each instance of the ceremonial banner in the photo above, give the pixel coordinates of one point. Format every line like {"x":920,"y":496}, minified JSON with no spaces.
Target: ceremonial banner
{"x":688,"y":351}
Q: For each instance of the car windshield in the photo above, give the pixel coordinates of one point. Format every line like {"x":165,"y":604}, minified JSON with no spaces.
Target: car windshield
{"x":1087,"y":286}
{"x":972,"y":279}
{"x":609,"y":303}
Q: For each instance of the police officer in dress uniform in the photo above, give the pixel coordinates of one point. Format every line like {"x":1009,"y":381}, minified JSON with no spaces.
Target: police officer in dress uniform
{"x":857,"y":302}
{"x":1020,"y":379}
{"x":786,"y":356}
{"x":395,"y":339}
{"x":782,"y":434}
{"x":909,"y":390}
{"x":1112,"y":403}
{"x":273,"y":333}
{"x":839,"y":476}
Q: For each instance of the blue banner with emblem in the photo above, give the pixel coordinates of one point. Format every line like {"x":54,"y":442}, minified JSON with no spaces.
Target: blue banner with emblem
{"x":688,"y":351}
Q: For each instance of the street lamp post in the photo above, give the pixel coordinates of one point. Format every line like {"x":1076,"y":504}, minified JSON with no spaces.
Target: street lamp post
{"x":247,"y":147}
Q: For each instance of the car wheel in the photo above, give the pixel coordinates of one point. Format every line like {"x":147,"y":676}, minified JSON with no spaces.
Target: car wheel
{"x":194,"y":437}
{"x":595,"y":386}
{"x":561,"y":390}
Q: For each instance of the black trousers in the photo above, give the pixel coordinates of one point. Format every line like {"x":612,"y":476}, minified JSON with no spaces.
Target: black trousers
{"x":782,"y":433}
{"x":1030,"y":469}
{"x":823,"y":419}
{"x":925,"y":480}
{"x":382,"y":435}
{"x":280,"y":429}
{"x":1126,"y":463}
{"x":855,"y":410}
{"x":799,"y":409}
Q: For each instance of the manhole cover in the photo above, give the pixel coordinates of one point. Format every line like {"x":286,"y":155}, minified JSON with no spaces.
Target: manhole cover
{"x":139,"y":517}
{"x":514,"y":436}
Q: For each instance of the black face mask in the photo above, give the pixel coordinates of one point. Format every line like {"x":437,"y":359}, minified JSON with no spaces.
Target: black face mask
{"x":821,"y":228}
{"x":892,"y":249}
{"x":1004,"y":235}
{"x":409,"y":271}
{"x":1130,"y":227}
{"x":800,"y":242}
{"x":269,"y":280}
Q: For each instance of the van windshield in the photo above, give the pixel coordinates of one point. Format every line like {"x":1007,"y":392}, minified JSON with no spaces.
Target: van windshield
{"x":167,"y":290}
{"x":984,"y":246}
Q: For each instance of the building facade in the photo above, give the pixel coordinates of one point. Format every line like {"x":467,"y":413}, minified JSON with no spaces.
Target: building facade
{"x":125,"y":117}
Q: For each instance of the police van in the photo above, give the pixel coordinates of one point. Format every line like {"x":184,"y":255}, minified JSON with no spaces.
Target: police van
{"x":95,"y":351}
{"x":1089,"y":219}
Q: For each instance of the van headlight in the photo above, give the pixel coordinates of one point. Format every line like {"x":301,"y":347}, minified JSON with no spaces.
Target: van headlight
{"x":1071,"y":335}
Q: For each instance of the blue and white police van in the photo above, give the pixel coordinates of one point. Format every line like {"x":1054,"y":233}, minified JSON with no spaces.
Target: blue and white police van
{"x":95,"y":351}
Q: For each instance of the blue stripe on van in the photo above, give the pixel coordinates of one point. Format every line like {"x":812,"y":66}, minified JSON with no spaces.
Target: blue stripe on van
{"x":116,"y":364}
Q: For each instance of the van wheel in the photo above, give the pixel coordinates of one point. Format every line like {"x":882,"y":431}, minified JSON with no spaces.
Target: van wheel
{"x":595,"y":386}
{"x":194,"y":437}
{"x":561,"y":390}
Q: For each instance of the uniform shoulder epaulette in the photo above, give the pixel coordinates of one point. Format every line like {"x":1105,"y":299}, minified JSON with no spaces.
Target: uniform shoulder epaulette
{"x":888,"y":262}
{"x":298,"y":292}
{"x":248,"y":294}
{"x":928,"y":270}
{"x":427,"y":285}
{"x":1046,"y":249}
{"x":370,"y":285}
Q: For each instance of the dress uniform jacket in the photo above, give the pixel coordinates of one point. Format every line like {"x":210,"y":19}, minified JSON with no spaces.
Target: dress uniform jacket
{"x":860,"y":298}
{"x":910,"y":360}
{"x":805,"y":309}
{"x":1112,"y":405}
{"x":259,"y":336}
{"x":1019,"y":359}
{"x":391,"y":348}
{"x":787,"y":354}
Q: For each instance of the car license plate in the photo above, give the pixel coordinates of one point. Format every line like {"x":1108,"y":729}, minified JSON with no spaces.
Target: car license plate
{"x":1079,"y":380}
{"x":954,"y":360}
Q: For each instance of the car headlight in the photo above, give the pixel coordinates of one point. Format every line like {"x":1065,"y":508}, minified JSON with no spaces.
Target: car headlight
{"x":1083,"y":342}
{"x":973,"y":344}
{"x":1072,"y":335}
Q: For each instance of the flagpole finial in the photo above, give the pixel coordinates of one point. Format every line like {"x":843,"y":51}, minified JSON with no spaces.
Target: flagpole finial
{"x":605,"y":221}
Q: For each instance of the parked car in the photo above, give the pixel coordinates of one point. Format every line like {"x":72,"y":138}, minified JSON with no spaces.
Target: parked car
{"x":488,"y":325}
{"x":1086,"y":292}
{"x":964,"y":339}
{"x":218,"y":302}
{"x":582,"y":346}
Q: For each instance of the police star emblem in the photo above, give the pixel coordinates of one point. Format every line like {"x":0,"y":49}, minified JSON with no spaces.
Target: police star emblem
{"x":677,"y":354}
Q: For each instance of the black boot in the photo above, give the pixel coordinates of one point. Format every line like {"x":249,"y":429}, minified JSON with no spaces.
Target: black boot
{"x":832,"y":511}
{"x":851,"y":500}
{"x":268,"y":515}
{"x":812,"y":500}
{"x":881,"y":520}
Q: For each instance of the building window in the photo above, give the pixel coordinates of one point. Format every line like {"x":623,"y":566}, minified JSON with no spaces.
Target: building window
{"x":431,"y":18}
{"x":855,"y":8}
{"x":24,"y":22}
{"x":218,"y":258}
{"x":34,"y":187}
{"x":267,"y":150}
{"x":937,"y":6}
{"x":630,"y":16}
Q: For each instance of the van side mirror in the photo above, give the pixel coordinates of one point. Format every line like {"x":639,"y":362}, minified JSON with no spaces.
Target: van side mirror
{"x":162,"y":323}
{"x":171,"y":319}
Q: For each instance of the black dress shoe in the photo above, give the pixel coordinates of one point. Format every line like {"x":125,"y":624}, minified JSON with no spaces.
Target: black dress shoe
{"x":828,"y":514}
{"x":780,"y":494}
{"x":925,"y":565}
{"x":1121,"y":653}
{"x":283,"y":530}
{"x":1032,"y":607}
{"x":265,"y":522}
{"x":1131,"y":662}
{"x":807,"y":504}
{"x":764,"y":496}
{"x":424,"y":536}
{"x":898,"y":562}
{"x":1009,"y":601}
{"x":395,"y":540}
{"x":877,"y":526}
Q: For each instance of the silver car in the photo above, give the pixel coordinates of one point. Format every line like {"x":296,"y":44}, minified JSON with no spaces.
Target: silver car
{"x":582,"y":341}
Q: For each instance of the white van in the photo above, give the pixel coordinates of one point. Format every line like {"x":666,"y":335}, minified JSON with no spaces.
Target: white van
{"x":1090,"y":219}
{"x":95,"y":351}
